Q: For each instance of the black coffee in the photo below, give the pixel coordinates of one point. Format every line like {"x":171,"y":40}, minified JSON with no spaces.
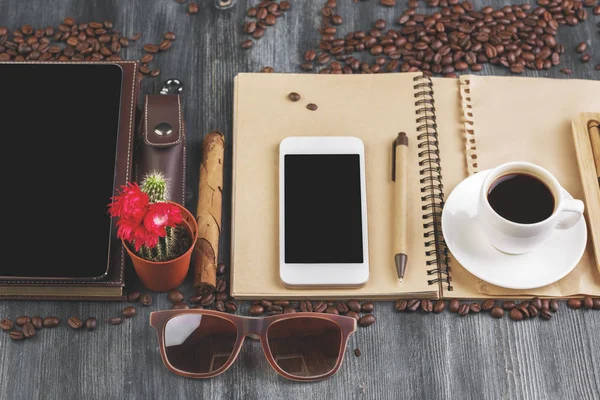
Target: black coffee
{"x":521,"y":198}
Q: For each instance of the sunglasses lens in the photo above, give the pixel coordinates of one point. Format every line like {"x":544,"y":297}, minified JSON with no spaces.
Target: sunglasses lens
{"x":199,"y":343}
{"x":305,"y":347}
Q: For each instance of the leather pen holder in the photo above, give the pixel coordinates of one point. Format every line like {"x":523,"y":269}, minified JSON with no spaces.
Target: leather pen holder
{"x":161,"y":143}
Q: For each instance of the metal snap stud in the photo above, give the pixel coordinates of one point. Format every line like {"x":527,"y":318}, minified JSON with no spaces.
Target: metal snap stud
{"x":163,"y":129}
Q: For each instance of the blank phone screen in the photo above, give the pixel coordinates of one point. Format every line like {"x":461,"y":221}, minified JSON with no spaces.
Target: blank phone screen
{"x":322,"y":209}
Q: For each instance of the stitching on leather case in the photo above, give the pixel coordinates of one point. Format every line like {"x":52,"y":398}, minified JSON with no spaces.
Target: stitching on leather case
{"x":182,"y":126}
{"x":132,"y":116}
{"x":146,"y":127}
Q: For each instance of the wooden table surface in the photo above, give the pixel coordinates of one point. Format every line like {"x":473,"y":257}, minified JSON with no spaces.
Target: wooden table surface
{"x":404,"y":356}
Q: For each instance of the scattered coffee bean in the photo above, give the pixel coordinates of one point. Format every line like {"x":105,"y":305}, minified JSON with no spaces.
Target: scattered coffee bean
{"x":196,"y":299}
{"x":426,"y":306}
{"x":37,"y":322}
{"x":545,"y":314}
{"x":353,"y":305}
{"x":90,"y":324}
{"x":256,"y":310}
{"x":145,"y":299}
{"x":341,"y":307}
{"x":574,"y":304}
{"x":268,"y":70}
{"x":50,"y":322}
{"x":170,"y":36}
{"x":581,"y":47}
{"x":247,"y":44}
{"x":367,"y":307}
{"x":133,"y":297}
{"x":129,"y":312}
{"x":401,"y":305}
{"x":454,"y":305}
{"x":175,"y":296}
{"x":357,"y":352}
{"x":413,"y":305}
{"x":488,"y":305}
{"x":353,"y":314}
{"x":16,"y":335}
{"x":475,"y":307}
{"x":497,"y":312}
{"x":588,"y":302}
{"x":231,"y":306}
{"x":566,"y":71}
{"x":508,"y":305}
{"x":533,"y":311}
{"x":23,"y":320}
{"x":319,"y":306}
{"x":312,"y":107}
{"x":545,"y":304}
{"x":366,"y":320}
{"x":439,"y":306}
{"x":28,"y":330}
{"x":115,"y":320}
{"x":536,"y":302}
{"x":516,"y":314}
{"x":306,"y":306}
{"x":553,"y":305}
{"x":6,"y":324}
{"x":289,"y":310}
{"x":183,"y":306}
{"x":75,"y":322}
{"x":266,"y":303}
{"x":586,"y":57}
{"x":463,"y":309}
{"x":596,"y":303}
{"x":220,"y":269}
{"x":275,"y":310}
{"x":193,"y":8}
{"x":332,"y":310}
{"x":294,"y":96}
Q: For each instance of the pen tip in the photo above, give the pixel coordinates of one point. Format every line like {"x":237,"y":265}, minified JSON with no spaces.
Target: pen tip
{"x":400,"y":280}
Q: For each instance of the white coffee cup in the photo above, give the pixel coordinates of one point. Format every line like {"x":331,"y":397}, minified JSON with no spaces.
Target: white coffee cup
{"x":517,"y":238}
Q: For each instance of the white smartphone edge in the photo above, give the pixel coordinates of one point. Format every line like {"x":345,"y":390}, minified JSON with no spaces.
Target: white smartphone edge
{"x":323,"y":275}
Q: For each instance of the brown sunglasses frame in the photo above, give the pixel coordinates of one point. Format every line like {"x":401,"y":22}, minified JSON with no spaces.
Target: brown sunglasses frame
{"x":255,"y":327}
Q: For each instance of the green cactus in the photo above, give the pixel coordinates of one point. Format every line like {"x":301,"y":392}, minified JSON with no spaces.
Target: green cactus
{"x":155,"y":185}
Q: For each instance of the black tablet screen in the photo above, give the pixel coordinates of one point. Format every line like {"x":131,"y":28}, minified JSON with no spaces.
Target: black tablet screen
{"x":59,"y":127}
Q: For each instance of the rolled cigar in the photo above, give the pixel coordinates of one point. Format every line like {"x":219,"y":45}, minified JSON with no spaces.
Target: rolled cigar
{"x":208,"y":212}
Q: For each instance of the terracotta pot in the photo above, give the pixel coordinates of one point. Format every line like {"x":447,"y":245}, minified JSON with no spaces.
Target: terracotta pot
{"x":167,"y":275}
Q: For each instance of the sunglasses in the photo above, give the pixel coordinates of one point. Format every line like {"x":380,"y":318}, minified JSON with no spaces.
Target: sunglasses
{"x":204,"y":343}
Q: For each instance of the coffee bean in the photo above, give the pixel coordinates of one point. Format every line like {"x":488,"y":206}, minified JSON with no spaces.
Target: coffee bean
{"x":169,"y":36}
{"x":597,"y":67}
{"x":545,"y":304}
{"x":293,"y":96}
{"x":175,"y":296}
{"x":596,"y":10}
{"x":566,"y":71}
{"x":16,"y":335}
{"x":536,"y":302}
{"x":50,"y":322}
{"x":115,"y":320}
{"x":366,"y":320}
{"x":413,"y":305}
{"x":439,"y":306}
{"x":184,"y":306}
{"x":401,"y":305}
{"x":508,"y":305}
{"x":497,"y":312}
{"x":581,"y":47}
{"x":90,"y":324}
{"x":341,"y":307}
{"x":223,"y":296}
{"x":545,"y":314}
{"x":475,"y":307}
{"x":256,"y":310}
{"x":37,"y":322}
{"x":332,"y":310}
{"x":129,"y":312}
{"x":247,"y":44}
{"x":275,"y":310}
{"x":354,"y":315}
{"x":367,"y":307}
{"x":267,"y":70}
{"x":357,"y":352}
{"x":553,"y":305}
{"x":588,"y":302}
{"x":150,"y":48}
{"x":426,"y":306}
{"x":574,"y":304}
{"x":596,"y":303}
{"x":353,"y":305}
{"x":231,"y":306}
{"x":312,"y":107}
{"x":23,"y":320}
{"x":29,"y":330}
{"x":145,"y":299}
{"x":516,"y":314}
{"x":454,"y":305}
{"x":533,"y":311}
{"x":220,"y":269}
{"x":6,"y":324}
{"x":133,"y":297}
{"x":266,"y":303}
{"x":75,"y":322}
{"x":463,"y":309}
{"x":193,"y":8}
{"x":319,"y":306}
{"x":586,"y":57}
{"x":154,"y":73}
{"x":285,"y":5}
{"x":488,"y":305}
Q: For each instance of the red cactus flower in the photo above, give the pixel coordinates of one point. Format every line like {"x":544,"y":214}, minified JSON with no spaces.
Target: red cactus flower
{"x":131,"y":203}
{"x":160,"y":216}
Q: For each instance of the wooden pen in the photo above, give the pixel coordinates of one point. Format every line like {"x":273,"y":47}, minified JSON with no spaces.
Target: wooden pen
{"x":400,"y":202}
{"x":594,"y":130}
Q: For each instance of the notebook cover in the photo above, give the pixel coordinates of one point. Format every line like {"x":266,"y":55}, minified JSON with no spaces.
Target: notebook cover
{"x":514,"y":118}
{"x":372,"y":107}
{"x":115,"y":275}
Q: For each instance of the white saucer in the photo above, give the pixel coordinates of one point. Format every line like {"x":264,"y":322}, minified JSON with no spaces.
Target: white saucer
{"x":467,"y":242}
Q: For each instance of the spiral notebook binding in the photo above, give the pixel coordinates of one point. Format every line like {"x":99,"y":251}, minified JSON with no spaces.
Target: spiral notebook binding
{"x":431,"y":180}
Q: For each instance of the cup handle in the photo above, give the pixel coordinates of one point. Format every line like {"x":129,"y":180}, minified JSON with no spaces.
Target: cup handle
{"x":571,"y":211}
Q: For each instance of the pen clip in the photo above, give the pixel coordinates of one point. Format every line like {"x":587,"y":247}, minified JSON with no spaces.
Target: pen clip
{"x":394,"y":144}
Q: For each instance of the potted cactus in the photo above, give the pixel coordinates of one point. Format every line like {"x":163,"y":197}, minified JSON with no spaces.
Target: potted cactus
{"x":159,"y":235}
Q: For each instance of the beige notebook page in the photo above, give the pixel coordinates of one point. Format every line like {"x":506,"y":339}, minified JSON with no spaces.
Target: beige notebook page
{"x":518,"y":118}
{"x":372,"y":107}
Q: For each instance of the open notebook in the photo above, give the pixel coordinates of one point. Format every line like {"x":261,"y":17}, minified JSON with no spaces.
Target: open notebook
{"x":455,"y":126}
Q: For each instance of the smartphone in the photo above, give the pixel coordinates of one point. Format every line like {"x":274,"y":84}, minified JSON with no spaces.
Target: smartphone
{"x":323,"y":238}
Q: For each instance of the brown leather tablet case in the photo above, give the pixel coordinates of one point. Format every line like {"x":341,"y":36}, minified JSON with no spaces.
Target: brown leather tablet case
{"x":110,"y":286}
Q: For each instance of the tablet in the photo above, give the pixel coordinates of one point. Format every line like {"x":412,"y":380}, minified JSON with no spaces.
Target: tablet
{"x":60,"y":129}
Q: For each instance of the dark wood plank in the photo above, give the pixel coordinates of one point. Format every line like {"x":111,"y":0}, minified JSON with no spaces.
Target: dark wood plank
{"x":404,"y":356}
